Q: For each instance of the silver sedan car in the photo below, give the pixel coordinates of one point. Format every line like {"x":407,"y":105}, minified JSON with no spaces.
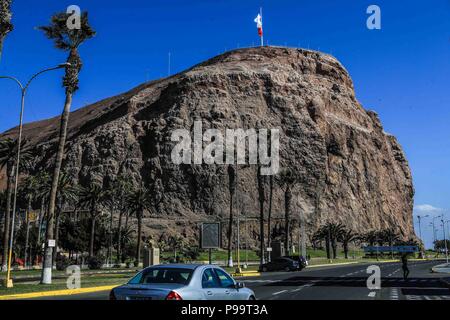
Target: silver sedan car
{"x":182,"y":282}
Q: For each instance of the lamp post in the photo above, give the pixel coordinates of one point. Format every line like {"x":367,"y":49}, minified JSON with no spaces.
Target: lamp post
{"x":419,"y":217}
{"x":23,"y":89}
{"x":434,"y":234}
{"x":445,"y":240}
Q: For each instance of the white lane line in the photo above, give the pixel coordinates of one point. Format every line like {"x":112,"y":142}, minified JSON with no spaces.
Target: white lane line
{"x":279,"y":292}
{"x":302,"y":287}
{"x":372,"y":294}
{"x":394,"y":294}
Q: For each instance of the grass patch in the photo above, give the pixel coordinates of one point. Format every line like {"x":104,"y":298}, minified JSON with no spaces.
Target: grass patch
{"x":60,"y":284}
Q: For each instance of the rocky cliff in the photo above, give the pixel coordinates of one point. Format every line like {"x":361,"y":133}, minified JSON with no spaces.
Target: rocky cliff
{"x":351,"y":170}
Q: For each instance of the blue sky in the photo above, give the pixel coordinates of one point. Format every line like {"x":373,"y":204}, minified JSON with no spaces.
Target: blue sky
{"x":402,"y":71}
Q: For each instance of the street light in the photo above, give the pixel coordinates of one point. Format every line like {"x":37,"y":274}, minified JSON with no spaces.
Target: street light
{"x":419,"y":217}
{"x":23,"y":89}
{"x":445,"y":240}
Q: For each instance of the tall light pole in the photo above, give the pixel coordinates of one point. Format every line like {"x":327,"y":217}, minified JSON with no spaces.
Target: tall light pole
{"x":23,"y":89}
{"x":419,"y":217}
{"x":434,"y":228}
{"x":434,"y":235}
{"x":445,"y":240}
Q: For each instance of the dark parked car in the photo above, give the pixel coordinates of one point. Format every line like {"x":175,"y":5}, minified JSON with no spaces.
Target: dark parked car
{"x":302,"y":263}
{"x":279,"y":264}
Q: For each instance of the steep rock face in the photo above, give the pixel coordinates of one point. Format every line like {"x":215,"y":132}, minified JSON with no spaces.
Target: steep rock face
{"x":351,"y":170}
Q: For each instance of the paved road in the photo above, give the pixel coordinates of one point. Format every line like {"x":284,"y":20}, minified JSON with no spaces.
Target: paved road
{"x":349,"y":283}
{"x":338,"y":282}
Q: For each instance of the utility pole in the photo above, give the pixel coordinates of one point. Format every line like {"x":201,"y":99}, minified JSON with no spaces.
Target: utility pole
{"x":23,"y":90}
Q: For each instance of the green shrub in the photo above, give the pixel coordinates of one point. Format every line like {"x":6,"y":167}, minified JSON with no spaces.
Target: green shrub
{"x":95,"y":263}
{"x":62,"y":262}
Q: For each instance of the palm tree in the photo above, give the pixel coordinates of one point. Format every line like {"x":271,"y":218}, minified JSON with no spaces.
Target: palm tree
{"x":269,"y":217}
{"x":232,"y":189}
{"x":5,"y":22}
{"x":347,"y":236}
{"x":67,"y":193}
{"x":335,"y":230}
{"x":120,"y":191}
{"x":390,"y":236}
{"x":92,"y":197}
{"x":261,"y":200}
{"x":29,"y":190}
{"x":287,"y":179}
{"x":43,"y":191}
{"x":138,"y":201}
{"x":67,"y":40}
{"x":8,"y":159}
{"x":2,"y":212}
{"x":371,"y":237}
{"x":331,"y":233}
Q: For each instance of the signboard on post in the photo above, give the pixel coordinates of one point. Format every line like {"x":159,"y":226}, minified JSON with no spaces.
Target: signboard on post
{"x":210,"y":235}
{"x":32,"y":216}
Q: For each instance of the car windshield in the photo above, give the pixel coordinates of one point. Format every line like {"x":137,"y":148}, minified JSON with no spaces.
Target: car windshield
{"x":163,"y":275}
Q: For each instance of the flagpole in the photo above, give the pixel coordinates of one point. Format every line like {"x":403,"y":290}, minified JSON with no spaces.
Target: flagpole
{"x":262,"y":35}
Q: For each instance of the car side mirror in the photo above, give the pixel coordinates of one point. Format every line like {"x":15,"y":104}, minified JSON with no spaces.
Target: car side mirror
{"x":239,"y":285}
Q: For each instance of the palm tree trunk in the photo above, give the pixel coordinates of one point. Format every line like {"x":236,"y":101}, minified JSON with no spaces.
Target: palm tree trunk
{"x":57,"y":219}
{"x":287,"y":207}
{"x":269,"y":231}
{"x":6,"y":226}
{"x":92,"y":236}
{"x":127,"y":217}
{"x":345,"y":245}
{"x":230,"y":232}
{"x":334,"y":248}
{"x":261,"y":199}
{"x":48,"y":256}
{"x":327,"y":247}
{"x":110,"y":236}
{"x":27,"y":233}
{"x":138,"y":245}
{"x":119,"y":236}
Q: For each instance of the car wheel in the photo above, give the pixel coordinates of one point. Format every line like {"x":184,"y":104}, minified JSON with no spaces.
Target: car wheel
{"x":252,"y":298}
{"x":264,"y":269}
{"x":287,"y":269}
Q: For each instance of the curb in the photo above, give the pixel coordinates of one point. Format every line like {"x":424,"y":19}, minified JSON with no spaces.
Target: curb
{"x":246,"y":274}
{"x":65,"y":292}
{"x":331,"y":264}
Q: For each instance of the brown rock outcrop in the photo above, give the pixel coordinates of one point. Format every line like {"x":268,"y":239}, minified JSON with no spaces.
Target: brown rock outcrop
{"x":351,"y":170}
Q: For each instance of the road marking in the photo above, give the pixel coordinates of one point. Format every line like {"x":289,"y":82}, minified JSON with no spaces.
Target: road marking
{"x":372,"y":294}
{"x":279,"y":292}
{"x":394,"y":294}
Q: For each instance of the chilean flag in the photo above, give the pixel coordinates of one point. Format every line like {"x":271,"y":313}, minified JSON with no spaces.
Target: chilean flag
{"x":258,"y":21}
